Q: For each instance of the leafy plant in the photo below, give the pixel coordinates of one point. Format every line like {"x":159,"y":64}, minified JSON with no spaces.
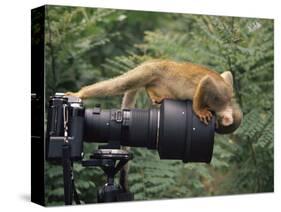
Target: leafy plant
{"x":85,"y":45}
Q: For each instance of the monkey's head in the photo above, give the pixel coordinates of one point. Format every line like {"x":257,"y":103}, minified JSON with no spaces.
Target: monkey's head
{"x":236,"y":115}
{"x":221,"y":101}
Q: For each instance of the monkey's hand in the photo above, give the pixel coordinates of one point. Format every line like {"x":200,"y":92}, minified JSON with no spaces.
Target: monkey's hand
{"x":76,"y":94}
{"x":204,"y":115}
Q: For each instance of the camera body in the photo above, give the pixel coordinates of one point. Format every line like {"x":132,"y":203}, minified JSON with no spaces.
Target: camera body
{"x":65,"y":111}
{"x":174,"y":130}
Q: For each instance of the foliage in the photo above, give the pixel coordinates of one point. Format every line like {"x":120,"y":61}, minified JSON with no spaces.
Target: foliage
{"x":85,"y":45}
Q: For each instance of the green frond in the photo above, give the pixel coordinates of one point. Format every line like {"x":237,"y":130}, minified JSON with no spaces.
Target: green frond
{"x":85,"y":45}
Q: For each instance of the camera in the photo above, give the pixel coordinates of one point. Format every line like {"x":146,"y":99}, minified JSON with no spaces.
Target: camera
{"x":173,"y":129}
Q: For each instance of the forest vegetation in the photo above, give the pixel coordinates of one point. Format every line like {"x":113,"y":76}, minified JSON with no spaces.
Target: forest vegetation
{"x":87,"y":45}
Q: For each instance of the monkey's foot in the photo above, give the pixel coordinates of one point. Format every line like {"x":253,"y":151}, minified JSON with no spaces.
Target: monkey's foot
{"x":160,"y":100}
{"x":204,"y":115}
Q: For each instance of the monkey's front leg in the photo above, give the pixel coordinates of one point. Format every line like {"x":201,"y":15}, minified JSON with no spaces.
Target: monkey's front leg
{"x":132,"y":80}
{"x":204,"y":115}
{"x":76,"y":94}
{"x":200,"y":106}
{"x":103,"y":88}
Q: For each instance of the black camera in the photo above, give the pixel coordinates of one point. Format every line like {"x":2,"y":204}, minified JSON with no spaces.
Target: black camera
{"x":173,"y":129}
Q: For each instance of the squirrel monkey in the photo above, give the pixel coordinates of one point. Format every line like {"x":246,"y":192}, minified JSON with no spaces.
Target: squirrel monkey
{"x":209,"y":91}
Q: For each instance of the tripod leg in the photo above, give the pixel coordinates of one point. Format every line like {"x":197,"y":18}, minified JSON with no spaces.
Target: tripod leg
{"x":67,"y":175}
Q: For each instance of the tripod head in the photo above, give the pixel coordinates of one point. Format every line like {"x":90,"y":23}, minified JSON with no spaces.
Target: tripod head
{"x":111,"y":161}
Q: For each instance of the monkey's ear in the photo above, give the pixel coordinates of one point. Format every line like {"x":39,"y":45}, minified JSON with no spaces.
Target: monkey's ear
{"x":227,"y":76}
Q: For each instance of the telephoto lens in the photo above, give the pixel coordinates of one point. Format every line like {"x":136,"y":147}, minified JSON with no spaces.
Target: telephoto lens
{"x":174,"y":130}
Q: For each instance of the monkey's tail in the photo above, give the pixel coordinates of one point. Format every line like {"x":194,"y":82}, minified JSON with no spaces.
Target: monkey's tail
{"x":129,"y":101}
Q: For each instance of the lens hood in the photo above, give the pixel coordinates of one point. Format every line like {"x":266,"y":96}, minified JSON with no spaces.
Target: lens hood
{"x":182,"y":135}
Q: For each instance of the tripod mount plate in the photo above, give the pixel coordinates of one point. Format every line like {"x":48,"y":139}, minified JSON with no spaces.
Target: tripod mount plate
{"x":117,"y":154}
{"x":105,"y":157}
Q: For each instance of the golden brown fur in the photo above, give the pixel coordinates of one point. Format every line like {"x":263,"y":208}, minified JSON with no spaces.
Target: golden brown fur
{"x":162,"y":79}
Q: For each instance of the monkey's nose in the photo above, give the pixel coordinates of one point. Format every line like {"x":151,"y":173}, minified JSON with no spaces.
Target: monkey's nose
{"x":226,"y":98}
{"x":227,"y":120}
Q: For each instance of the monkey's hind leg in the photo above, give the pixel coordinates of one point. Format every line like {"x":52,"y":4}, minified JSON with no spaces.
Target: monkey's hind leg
{"x":128,"y":101}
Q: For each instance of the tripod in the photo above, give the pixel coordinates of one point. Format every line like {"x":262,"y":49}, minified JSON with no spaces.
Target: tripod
{"x":111,"y":159}
{"x":107,"y":159}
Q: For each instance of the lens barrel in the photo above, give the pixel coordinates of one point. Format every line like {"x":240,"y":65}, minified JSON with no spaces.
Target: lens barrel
{"x":102,"y":125}
{"x":141,"y":128}
{"x":174,"y":130}
{"x":132,"y":127}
